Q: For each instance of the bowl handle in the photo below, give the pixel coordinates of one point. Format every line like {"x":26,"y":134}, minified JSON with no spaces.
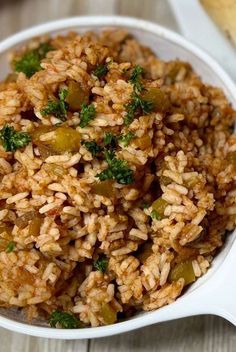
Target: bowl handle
{"x":223,"y":289}
{"x":218,"y":295}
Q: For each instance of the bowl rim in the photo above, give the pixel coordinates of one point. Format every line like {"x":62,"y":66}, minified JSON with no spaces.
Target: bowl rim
{"x":104,"y":21}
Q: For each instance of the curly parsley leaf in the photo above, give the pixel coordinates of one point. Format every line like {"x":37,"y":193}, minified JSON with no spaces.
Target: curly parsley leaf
{"x":136,"y":74}
{"x":57,"y":108}
{"x":155,"y":215}
{"x":64,"y":320}
{"x":12,"y":140}
{"x":146,"y":106}
{"x":101,"y":264}
{"x":63,"y":94}
{"x":136,"y":103}
{"x":125,"y":139}
{"x":110,"y":140}
{"x":92,"y":147}
{"x":117,"y":170}
{"x":10,"y":247}
{"x":87,"y":114}
{"x":100,"y":71}
{"x":145,"y":205}
{"x":43,"y":49}
{"x":29,"y":63}
{"x":135,"y":78}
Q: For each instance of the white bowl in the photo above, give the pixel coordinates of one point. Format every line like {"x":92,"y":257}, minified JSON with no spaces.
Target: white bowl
{"x":215,"y":292}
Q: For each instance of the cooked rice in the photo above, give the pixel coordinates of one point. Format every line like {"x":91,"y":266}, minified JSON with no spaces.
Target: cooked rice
{"x":189,"y":163}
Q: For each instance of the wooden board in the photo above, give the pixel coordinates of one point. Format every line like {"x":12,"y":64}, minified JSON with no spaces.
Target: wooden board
{"x":196,"y":334}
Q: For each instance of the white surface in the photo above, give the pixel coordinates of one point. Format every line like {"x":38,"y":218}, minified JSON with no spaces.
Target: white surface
{"x":197,"y":26}
{"x":215,"y":292}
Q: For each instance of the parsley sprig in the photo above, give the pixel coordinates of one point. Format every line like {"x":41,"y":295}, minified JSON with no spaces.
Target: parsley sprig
{"x":136,"y":104}
{"x":92,"y":147}
{"x":101,"y":264}
{"x":145,"y":205}
{"x":125,"y":139}
{"x":87,"y":114}
{"x":12,"y":140}
{"x":135,"y":78}
{"x":110,"y":140}
{"x":117,"y":170}
{"x":10,"y":247}
{"x":155,"y":215}
{"x":100,"y":71}
{"x":64,"y":320}
{"x":57,"y":108}
{"x":29,"y":63}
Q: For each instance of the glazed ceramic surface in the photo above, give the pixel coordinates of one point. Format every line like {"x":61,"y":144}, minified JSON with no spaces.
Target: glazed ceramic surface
{"x":213,"y":293}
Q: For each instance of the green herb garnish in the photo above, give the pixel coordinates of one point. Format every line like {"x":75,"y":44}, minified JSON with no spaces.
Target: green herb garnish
{"x":126,"y":138}
{"x":100,"y":71}
{"x":63,"y":94}
{"x":117,"y":170}
{"x":155,"y":215}
{"x":10,"y":247}
{"x":110,"y":140}
{"x":29,"y":63}
{"x":87,"y":114}
{"x":92,"y":147}
{"x":57,"y":108}
{"x":135,"y":78}
{"x":145,"y":205}
{"x":136,"y":103}
{"x":101,"y":264}
{"x":64,"y":320}
{"x":12,"y":140}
